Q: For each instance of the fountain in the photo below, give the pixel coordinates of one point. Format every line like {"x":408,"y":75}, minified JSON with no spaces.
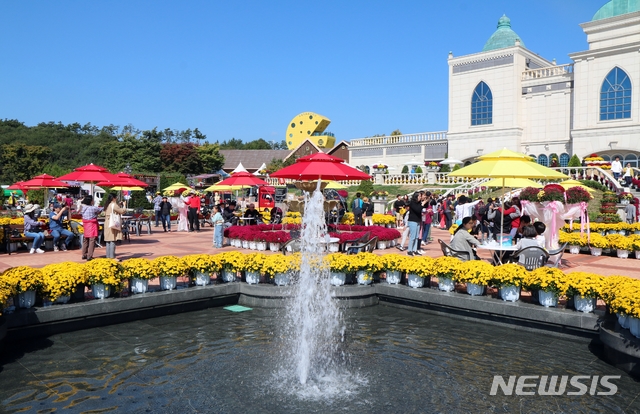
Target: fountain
{"x":313,"y":360}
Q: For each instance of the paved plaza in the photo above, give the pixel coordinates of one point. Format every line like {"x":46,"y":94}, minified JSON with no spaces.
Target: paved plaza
{"x":160,"y":243}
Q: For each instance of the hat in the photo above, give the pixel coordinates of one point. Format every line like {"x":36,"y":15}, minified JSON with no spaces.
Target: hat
{"x":158,"y":193}
{"x":56,"y":205}
{"x":30,"y":207}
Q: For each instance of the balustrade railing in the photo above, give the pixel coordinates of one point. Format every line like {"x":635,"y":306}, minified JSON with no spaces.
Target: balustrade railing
{"x":547,"y":72}
{"x":598,"y":174}
{"x":423,"y":178}
{"x":399,"y":139}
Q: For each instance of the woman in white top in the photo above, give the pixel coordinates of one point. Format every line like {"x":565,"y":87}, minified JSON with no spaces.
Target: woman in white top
{"x":462,"y":240}
{"x":628,"y":175}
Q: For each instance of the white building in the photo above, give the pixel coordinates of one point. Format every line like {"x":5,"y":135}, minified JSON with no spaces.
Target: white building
{"x":508,"y":96}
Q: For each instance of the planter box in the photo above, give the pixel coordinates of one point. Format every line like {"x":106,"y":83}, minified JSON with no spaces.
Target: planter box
{"x":574,"y":249}
{"x":394,"y":277}
{"x":202,"y":279}
{"x":337,"y":278}
{"x":547,"y":299}
{"x":26,"y":299}
{"x":596,"y":251}
{"x":416,"y":281}
{"x":363,"y":277}
{"x":446,"y":284}
{"x":622,"y":254}
{"x":139,"y":285}
{"x":168,"y":282}
{"x":282,"y":279}
{"x":475,"y":290}
{"x":252,"y":278}
{"x":274,"y":247}
{"x":582,"y":304}
{"x":101,"y":291}
{"x":509,"y":293}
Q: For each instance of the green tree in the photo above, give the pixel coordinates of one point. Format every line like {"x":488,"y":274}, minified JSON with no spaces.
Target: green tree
{"x":365,"y":187}
{"x":418,"y":170}
{"x":574,"y":162}
{"x":182,"y":158}
{"x":396,"y":132}
{"x":166,"y":179}
{"x":232,"y":144}
{"x":210,"y":157}
{"x":19,"y":162}
{"x":405,"y":169}
{"x":445,"y":168}
{"x":258,"y":144}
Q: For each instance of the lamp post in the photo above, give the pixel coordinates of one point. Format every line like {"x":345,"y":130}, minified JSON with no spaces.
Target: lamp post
{"x":127,"y":169}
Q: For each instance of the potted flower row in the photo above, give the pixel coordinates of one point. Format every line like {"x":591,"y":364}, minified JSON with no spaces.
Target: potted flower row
{"x":622,"y":295}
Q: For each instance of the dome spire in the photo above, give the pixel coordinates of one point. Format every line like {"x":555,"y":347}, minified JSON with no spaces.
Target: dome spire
{"x":503,"y":37}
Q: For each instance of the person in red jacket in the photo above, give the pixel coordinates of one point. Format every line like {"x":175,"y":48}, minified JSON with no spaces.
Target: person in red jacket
{"x":514,"y":211}
{"x":194,"y":203}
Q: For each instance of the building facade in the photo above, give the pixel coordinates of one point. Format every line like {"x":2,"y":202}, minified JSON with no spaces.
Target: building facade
{"x":509,"y":96}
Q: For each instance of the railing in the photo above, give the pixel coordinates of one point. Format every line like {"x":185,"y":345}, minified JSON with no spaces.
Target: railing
{"x":399,"y":139}
{"x":276,"y":181}
{"x":547,"y":72}
{"x":604,"y":177}
{"x":423,"y":178}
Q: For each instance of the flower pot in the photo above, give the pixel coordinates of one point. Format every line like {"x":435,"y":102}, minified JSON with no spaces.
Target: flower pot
{"x":252,"y":278}
{"x":337,"y":278}
{"x":636,"y":232}
{"x":416,"y":281}
{"x":168,"y":282}
{"x":596,"y":251}
{"x":282,"y":279}
{"x":548,"y":299}
{"x":584,"y":304}
{"x":445,"y":284}
{"x":245,"y":244}
{"x":202,"y":278}
{"x":622,"y":254}
{"x":63,"y":299}
{"x":475,"y":290}
{"x":634,"y":326}
{"x":637,"y":252}
{"x":624,"y":202}
{"x":101,"y":291}
{"x":228,"y":275}
{"x":334,"y":247}
{"x":139,"y":285}
{"x":253,"y":245}
{"x":611,"y":232}
{"x":510,"y":293}
{"x":394,"y":277}
{"x":274,"y":247}
{"x":622,"y":232}
{"x":261,"y":246}
{"x":27,"y":299}
{"x":364,"y":278}
{"x":78,"y":293}
{"x":238,"y":243}
{"x":382,"y":245}
{"x":623,"y":320}
{"x":574,"y":249}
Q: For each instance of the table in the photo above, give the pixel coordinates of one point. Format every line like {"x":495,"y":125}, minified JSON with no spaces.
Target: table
{"x":499,"y":249}
{"x":246,"y":220}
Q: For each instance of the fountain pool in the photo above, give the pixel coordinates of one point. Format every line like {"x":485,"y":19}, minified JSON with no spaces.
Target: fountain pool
{"x":215,"y":361}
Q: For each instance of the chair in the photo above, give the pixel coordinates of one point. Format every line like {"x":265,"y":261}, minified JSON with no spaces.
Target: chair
{"x":533,"y":257}
{"x":369,"y":246}
{"x":143,"y":220}
{"x":292,"y":246}
{"x":360,"y":240}
{"x":555,"y":256}
{"x":448,"y":251}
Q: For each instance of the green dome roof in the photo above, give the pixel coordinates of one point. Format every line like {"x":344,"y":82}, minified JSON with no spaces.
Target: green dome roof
{"x":503,"y":37}
{"x":616,"y":8}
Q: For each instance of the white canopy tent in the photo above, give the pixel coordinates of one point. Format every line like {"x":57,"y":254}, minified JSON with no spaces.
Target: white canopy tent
{"x":239,"y":168}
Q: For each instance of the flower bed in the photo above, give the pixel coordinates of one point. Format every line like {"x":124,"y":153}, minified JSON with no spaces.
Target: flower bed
{"x":622,"y":294}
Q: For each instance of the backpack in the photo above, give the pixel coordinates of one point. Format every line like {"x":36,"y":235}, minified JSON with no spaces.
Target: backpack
{"x":357,"y":206}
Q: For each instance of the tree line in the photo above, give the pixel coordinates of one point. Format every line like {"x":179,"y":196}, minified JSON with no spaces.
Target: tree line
{"x":56,"y":149}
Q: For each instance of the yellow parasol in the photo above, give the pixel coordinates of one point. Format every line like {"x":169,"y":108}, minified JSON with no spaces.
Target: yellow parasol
{"x":567,"y":184}
{"x":336,"y":185}
{"x":176,"y":186}
{"x":218,"y":187}
{"x":513,"y":183}
{"x":505,"y":164}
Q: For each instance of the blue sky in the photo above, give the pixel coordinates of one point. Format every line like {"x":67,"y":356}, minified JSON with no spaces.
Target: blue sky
{"x":244,"y":69}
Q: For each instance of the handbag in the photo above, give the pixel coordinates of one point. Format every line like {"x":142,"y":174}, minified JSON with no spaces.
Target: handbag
{"x":115,"y":221}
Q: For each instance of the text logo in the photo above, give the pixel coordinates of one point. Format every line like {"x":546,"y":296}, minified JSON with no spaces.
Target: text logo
{"x":555,"y":385}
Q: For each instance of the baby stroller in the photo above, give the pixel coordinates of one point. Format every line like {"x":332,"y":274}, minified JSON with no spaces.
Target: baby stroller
{"x":276,"y":215}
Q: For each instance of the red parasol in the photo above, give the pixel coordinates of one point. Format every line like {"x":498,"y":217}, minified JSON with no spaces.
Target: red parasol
{"x":123,"y":180}
{"x":244,"y":179}
{"x":89,"y":173}
{"x":17,"y":186}
{"x":44,"y":181}
{"x":320,"y":166}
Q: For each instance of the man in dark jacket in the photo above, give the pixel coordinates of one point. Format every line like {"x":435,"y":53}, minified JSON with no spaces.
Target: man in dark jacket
{"x":416,"y":204}
{"x":165,"y":214}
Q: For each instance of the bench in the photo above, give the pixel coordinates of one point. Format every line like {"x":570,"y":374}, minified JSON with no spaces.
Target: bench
{"x":9,"y":229}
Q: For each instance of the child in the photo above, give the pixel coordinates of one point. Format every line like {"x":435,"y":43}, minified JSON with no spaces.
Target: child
{"x":218,"y":226}
{"x":405,"y":232}
{"x":540,"y":229}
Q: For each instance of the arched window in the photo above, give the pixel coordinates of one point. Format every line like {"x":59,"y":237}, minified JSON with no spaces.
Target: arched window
{"x":631,"y":159}
{"x":564,"y":160}
{"x":482,"y":105}
{"x":606,"y":158}
{"x":543,"y":160}
{"x":615,"y":96}
{"x":533,"y":156}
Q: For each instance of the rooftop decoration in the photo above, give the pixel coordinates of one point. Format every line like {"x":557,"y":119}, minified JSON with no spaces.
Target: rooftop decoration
{"x":503,"y":37}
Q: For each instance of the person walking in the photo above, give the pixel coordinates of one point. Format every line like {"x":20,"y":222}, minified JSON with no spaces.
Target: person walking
{"x":397,"y":209}
{"x":33,"y":228}
{"x":357,"y":210}
{"x":628,"y":175}
{"x":427,"y":219}
{"x":165,"y":213}
{"x":57,"y":229}
{"x":112,"y":234}
{"x":367,"y":208}
{"x":156,"y":207}
{"x":194,"y":203}
{"x":218,"y":227}
{"x":616,"y":168}
{"x":91,"y":227}
{"x":415,"y":218}
{"x":13,"y":201}
{"x":447,"y":210}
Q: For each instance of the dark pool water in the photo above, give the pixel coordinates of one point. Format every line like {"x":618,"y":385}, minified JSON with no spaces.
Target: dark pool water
{"x":216,"y":361}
